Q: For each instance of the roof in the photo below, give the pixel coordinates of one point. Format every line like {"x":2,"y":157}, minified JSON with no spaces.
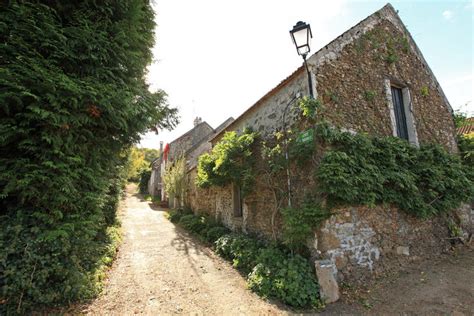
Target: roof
{"x":467,"y":128}
{"x":190,"y":131}
{"x":338,"y":43}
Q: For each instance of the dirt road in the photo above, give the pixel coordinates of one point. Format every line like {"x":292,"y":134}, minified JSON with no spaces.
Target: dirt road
{"x":161,"y":270}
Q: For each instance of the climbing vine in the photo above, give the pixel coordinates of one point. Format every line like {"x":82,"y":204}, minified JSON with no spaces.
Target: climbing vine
{"x":359,"y":169}
{"x":230,"y":161}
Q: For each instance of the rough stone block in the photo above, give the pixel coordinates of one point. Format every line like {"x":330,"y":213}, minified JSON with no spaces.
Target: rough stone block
{"x":328,"y":241}
{"x":403,"y":250}
{"x":328,"y":288}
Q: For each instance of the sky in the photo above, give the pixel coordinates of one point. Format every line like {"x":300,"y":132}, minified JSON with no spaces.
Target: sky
{"x":215,"y":58}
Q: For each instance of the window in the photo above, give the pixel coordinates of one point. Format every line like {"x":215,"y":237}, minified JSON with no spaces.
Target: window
{"x":400,"y":115}
{"x":400,"y":106}
{"x":237,"y":200}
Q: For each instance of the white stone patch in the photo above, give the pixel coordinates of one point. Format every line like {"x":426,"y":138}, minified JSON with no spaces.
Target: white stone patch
{"x":354,"y":243}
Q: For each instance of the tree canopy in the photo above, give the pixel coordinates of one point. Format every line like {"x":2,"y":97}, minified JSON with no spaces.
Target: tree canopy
{"x":73,"y":97}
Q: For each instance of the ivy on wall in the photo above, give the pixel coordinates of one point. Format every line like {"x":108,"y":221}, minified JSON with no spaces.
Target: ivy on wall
{"x":230,"y":161}
{"x":359,"y":169}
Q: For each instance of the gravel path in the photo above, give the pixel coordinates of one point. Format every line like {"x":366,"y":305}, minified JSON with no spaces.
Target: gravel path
{"x":160,"y":270}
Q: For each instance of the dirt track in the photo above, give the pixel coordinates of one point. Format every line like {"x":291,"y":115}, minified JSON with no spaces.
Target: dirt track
{"x":161,"y":270}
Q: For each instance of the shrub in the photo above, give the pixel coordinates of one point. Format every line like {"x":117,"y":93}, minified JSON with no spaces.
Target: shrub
{"x":272,"y":272}
{"x":174,"y":216}
{"x":144,"y":178}
{"x":193,"y":223}
{"x":73,"y":99}
{"x":287,"y":278}
{"x":299,"y":223}
{"x":240,"y":249}
{"x":215,"y":233}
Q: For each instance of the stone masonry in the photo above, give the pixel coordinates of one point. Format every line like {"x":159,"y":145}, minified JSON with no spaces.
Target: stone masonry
{"x":350,"y":76}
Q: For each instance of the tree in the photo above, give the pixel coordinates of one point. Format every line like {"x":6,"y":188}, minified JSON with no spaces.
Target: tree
{"x":73,"y":97}
{"x":174,"y":179}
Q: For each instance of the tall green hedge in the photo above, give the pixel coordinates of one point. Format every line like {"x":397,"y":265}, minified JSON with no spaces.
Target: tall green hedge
{"x":72,"y":98}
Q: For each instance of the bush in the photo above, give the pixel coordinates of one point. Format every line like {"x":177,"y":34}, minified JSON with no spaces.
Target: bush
{"x":240,"y":249}
{"x":299,"y":223}
{"x":144,"y":179}
{"x":73,"y":98}
{"x":174,"y":216}
{"x":272,"y":272}
{"x":214,"y":233}
{"x":284,"y":277}
{"x":230,"y":161}
{"x":193,"y":223}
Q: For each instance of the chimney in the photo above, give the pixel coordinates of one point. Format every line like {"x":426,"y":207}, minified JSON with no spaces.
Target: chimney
{"x":197,"y":120}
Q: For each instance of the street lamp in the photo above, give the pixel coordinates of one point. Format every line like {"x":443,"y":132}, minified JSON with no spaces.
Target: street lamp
{"x":301,"y":35}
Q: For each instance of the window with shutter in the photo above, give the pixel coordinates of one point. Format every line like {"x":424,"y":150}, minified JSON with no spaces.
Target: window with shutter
{"x":237,"y":200}
{"x":400,"y":115}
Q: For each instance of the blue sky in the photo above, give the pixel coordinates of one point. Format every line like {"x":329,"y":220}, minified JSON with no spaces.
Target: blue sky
{"x":217,"y":58}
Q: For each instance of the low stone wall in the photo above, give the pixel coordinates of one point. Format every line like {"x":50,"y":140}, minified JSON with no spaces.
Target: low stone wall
{"x":364,"y":242}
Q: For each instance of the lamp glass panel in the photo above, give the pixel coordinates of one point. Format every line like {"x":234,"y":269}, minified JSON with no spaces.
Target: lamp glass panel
{"x":303,"y":50}
{"x":301,"y":37}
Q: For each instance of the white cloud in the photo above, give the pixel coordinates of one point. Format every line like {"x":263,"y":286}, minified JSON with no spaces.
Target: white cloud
{"x":448,"y":14}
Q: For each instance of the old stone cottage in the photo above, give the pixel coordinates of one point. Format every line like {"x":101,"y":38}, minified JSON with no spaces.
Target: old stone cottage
{"x":372,"y":79}
{"x":189,"y":145}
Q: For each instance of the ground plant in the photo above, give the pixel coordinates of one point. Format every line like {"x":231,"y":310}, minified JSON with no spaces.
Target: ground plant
{"x":272,"y":271}
{"x":73,"y":99}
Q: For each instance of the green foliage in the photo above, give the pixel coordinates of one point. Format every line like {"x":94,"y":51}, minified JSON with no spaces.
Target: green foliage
{"x":425,"y":91}
{"x":368,"y":170}
{"x":273,"y":272}
{"x":370,"y":95}
{"x":144,"y":178}
{"x":174,"y":178}
{"x":287,"y":278}
{"x":73,"y":98}
{"x":193,"y":223}
{"x":230,"y":161}
{"x":273,"y":154}
{"x":302,"y":147}
{"x":216,"y":232}
{"x":136,"y":164}
{"x":391,"y":57}
{"x":309,"y":107}
{"x":240,"y":249}
{"x":300,"y":222}
{"x":175,"y":215}
{"x":466,"y":150}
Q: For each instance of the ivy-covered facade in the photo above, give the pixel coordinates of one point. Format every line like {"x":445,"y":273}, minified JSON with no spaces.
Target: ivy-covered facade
{"x":373,"y":86}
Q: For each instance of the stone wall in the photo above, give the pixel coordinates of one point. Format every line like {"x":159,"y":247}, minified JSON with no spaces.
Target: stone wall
{"x":350,"y":78}
{"x":361,"y":241}
{"x":353,"y":92}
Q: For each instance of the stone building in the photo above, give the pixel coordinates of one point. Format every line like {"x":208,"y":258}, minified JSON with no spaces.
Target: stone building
{"x":371,"y":79}
{"x":190,"y":145}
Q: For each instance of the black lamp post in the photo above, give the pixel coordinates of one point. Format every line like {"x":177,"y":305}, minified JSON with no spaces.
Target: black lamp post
{"x":301,"y":35}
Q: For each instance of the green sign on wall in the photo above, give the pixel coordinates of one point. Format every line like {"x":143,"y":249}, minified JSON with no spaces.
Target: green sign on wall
{"x":306,"y":136}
